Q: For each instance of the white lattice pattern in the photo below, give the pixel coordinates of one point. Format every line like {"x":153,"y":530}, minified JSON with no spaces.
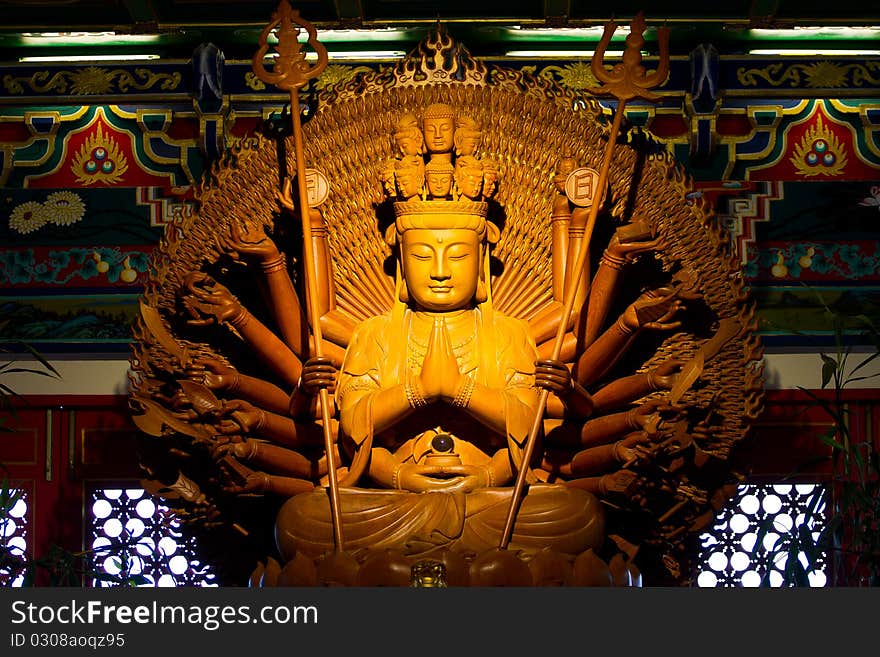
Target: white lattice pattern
{"x":136,"y":541}
{"x":783,"y":516}
{"x":14,"y":516}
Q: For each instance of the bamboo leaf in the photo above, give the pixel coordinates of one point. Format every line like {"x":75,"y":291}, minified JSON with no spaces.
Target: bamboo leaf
{"x":824,"y":404}
{"x":829,"y":367}
{"x":36,"y":354}
{"x":828,"y":438}
{"x":865,"y":362}
{"x":30,"y":576}
{"x":861,"y":378}
{"x":800,"y":574}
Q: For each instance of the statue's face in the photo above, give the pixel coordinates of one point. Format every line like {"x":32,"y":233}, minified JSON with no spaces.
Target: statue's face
{"x":469,"y":180}
{"x":441,"y":267}
{"x":409,"y":142}
{"x":490,"y":178}
{"x":409,"y":181}
{"x":467,"y":141}
{"x":439,"y":183}
{"x":439,"y":134}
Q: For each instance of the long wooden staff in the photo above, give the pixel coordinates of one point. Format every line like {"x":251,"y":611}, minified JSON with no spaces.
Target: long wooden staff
{"x":625,"y":82}
{"x":292,"y":73}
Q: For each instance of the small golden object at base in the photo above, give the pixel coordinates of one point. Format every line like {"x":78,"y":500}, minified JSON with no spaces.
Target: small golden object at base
{"x":428,"y":575}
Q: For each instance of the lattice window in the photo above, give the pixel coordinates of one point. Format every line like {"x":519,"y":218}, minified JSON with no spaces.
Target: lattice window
{"x":14,"y":520}
{"x":729,"y":554}
{"x":134,"y":537}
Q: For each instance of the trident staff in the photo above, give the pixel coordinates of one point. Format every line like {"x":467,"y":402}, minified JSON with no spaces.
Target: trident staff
{"x":291,"y":72}
{"x":625,"y":81}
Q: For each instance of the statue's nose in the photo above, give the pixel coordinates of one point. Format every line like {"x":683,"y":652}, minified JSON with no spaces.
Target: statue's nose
{"x":440,"y":271}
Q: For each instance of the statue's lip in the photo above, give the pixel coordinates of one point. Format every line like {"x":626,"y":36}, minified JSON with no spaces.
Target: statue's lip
{"x":440,"y":288}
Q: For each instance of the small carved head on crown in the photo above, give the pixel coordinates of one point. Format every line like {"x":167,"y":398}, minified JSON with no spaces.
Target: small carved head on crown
{"x":436,"y":159}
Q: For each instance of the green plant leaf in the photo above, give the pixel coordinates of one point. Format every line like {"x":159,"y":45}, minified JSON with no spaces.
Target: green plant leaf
{"x":800,"y":574}
{"x":102,"y":576}
{"x":861,"y":378}
{"x":45,"y":363}
{"x":9,"y":392}
{"x":139,"y":580}
{"x":819,"y":401}
{"x":862,"y":364}
{"x":828,"y":438}
{"x":829,"y":367}
{"x":30,"y":576}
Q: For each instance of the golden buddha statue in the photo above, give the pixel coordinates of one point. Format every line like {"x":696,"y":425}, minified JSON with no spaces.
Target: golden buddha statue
{"x":436,"y":398}
{"x":442,"y":254}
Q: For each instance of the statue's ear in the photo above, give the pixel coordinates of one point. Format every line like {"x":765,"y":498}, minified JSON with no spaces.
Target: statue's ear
{"x":492,"y":233}
{"x":391,"y":235}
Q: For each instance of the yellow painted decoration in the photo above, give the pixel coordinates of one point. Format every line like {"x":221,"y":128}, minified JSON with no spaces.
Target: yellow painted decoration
{"x":99,"y":160}
{"x":819,"y":152}
{"x":779,"y":270}
{"x":806,"y":261}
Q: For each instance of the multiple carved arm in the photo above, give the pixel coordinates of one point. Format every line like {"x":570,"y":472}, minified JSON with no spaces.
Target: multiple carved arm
{"x":269,"y":425}
{"x":608,"y":440}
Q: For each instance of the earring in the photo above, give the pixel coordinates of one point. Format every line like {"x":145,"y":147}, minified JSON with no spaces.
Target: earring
{"x":481,"y":295}
{"x":400,"y":284}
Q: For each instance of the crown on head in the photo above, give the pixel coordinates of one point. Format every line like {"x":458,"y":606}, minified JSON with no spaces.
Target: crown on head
{"x":436,"y":180}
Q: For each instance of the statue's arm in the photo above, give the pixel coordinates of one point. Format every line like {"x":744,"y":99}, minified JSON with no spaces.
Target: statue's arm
{"x":559,"y":244}
{"x":208,"y":302}
{"x":305,"y":402}
{"x":601,"y":356}
{"x":595,"y":310}
{"x":337,"y":327}
{"x":627,"y":389}
{"x":628,"y":242}
{"x":554,"y":375}
{"x":643,"y":419}
{"x":252,"y":245}
{"x":260,"y":392}
{"x":367,"y":404}
{"x":277,"y":428}
{"x":325,"y":290}
{"x":277,"y":289}
{"x":268,"y":347}
{"x":489,"y":406}
{"x":279,"y":460}
{"x":652,"y":310}
{"x":377,"y":411}
{"x":599,"y":459}
{"x":383,"y":467}
{"x":608,"y":428}
{"x":576,"y":244}
{"x":229,"y":382}
{"x":256,"y":481}
{"x":622,"y":391}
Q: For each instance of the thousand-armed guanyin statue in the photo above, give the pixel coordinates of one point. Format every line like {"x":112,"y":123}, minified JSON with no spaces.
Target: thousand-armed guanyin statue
{"x":478,"y":360}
